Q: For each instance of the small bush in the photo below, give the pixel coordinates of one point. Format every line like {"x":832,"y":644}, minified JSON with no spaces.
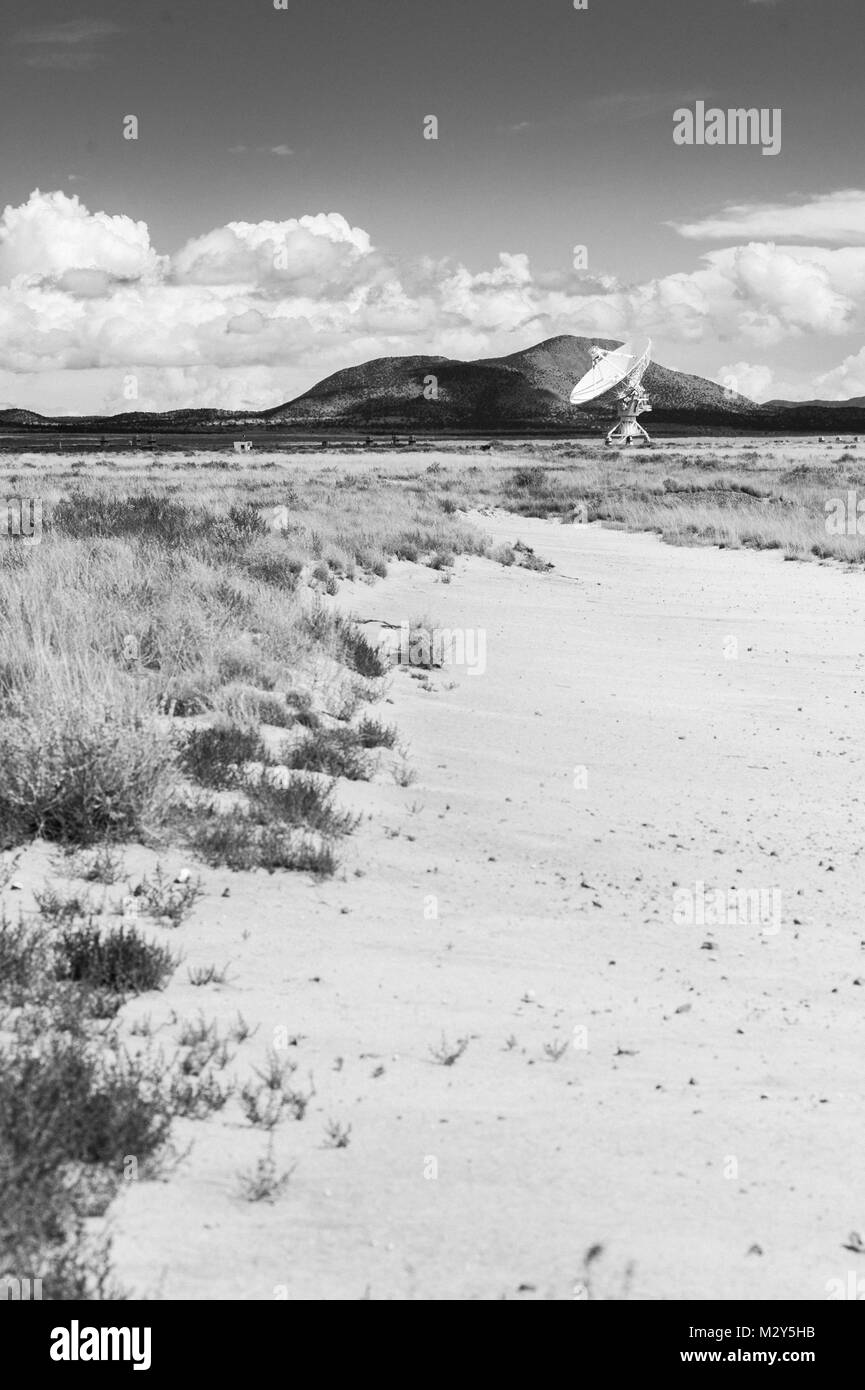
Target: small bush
{"x":261,"y":1105}
{"x":196,"y":1097}
{"x":358,"y":653}
{"x":532,"y":478}
{"x":167,"y":900}
{"x":23,"y":957}
{"x":121,"y":961}
{"x":236,"y":840}
{"x":336,"y":752}
{"x":303,"y":803}
{"x":65,"y":1103}
{"x":273,"y":710}
{"x":215,"y":757}
{"x":77,"y":777}
{"x":55,"y":906}
{"x":69,"y":1117}
{"x":372,"y":734}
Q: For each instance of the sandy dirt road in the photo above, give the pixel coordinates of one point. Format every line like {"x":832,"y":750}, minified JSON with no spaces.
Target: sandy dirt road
{"x":703,"y":1121}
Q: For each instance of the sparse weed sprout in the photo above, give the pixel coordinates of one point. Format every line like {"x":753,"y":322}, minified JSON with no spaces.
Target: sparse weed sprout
{"x":446,"y":1054}
{"x":265,"y":1182}
{"x":261,"y":1105}
{"x":337,"y":1136}
{"x":168,"y":900}
{"x":208,"y":975}
{"x":55,"y":906}
{"x":103,"y":864}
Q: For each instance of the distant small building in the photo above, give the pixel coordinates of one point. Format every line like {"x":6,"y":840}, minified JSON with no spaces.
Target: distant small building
{"x":243,"y":446}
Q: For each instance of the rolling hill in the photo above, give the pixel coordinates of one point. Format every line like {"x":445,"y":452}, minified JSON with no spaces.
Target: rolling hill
{"x":524,"y":392}
{"x":530,"y":388}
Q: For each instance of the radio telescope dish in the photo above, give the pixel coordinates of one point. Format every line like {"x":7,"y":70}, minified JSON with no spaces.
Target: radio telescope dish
{"x":618,"y":367}
{"x":609,"y":367}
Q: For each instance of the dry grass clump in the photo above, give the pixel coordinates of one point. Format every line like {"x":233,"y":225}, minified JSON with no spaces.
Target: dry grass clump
{"x":713,"y":493}
{"x":78,"y":774}
{"x":74,"y":1103}
{"x":145,"y":608}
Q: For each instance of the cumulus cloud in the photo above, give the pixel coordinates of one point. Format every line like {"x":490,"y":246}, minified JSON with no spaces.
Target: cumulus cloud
{"x":834,"y":217}
{"x":751,"y":379}
{"x":314,"y":251}
{"x":843,"y":381}
{"x":249,"y":314}
{"x":52,"y":233}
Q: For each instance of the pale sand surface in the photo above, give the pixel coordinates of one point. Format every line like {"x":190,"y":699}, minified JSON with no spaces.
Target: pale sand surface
{"x":554,"y":914}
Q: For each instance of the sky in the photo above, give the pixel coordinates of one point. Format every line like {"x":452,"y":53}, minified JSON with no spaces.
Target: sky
{"x":281,"y":215}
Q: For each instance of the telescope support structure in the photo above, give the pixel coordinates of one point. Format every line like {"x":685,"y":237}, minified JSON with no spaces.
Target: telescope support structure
{"x":627,"y":428}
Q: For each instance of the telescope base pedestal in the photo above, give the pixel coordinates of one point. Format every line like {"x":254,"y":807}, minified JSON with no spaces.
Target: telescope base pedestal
{"x":626,"y":430}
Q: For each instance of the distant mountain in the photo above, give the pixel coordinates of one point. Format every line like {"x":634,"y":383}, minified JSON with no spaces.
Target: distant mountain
{"x":854,"y":403}
{"x":131,"y":420}
{"x":523,"y":392}
{"x":21,"y":417}
{"x":530,"y":388}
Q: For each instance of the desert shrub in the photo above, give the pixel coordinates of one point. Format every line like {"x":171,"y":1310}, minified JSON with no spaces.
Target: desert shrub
{"x":531,"y":478}
{"x":121,"y":961}
{"x":304,"y":713}
{"x":273,"y":709}
{"x":64,"y":1102}
{"x":274,"y":567}
{"x":407,"y":550}
{"x":196,"y":1097}
{"x":85,"y":515}
{"x":336,"y":752}
{"x":55,"y":906}
{"x":246,"y":663}
{"x":183,"y":696}
{"x":302,"y":803}
{"x":373,"y":734}
{"x":23,"y":958}
{"x":236,"y":840}
{"x":214,"y":757}
{"x":357,"y":652}
{"x":79,"y":775}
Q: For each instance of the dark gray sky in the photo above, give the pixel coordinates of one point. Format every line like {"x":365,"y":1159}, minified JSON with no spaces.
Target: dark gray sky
{"x":555,"y":128}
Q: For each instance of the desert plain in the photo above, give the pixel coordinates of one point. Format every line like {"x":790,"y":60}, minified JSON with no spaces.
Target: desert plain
{"x":506,"y":1061}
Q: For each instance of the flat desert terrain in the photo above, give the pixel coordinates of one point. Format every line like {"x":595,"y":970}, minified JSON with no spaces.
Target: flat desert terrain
{"x":529,"y":1074}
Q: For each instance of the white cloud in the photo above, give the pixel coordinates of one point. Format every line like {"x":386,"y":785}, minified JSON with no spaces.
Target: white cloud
{"x":322,"y":249}
{"x":832,"y":217}
{"x":252,"y":313}
{"x":748,"y":379}
{"x":53,"y":233}
{"x":843,"y":381}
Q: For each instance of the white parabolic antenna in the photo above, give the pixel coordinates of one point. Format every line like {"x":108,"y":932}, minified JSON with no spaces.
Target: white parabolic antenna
{"x":609,"y":367}
{"x":620,"y":367}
